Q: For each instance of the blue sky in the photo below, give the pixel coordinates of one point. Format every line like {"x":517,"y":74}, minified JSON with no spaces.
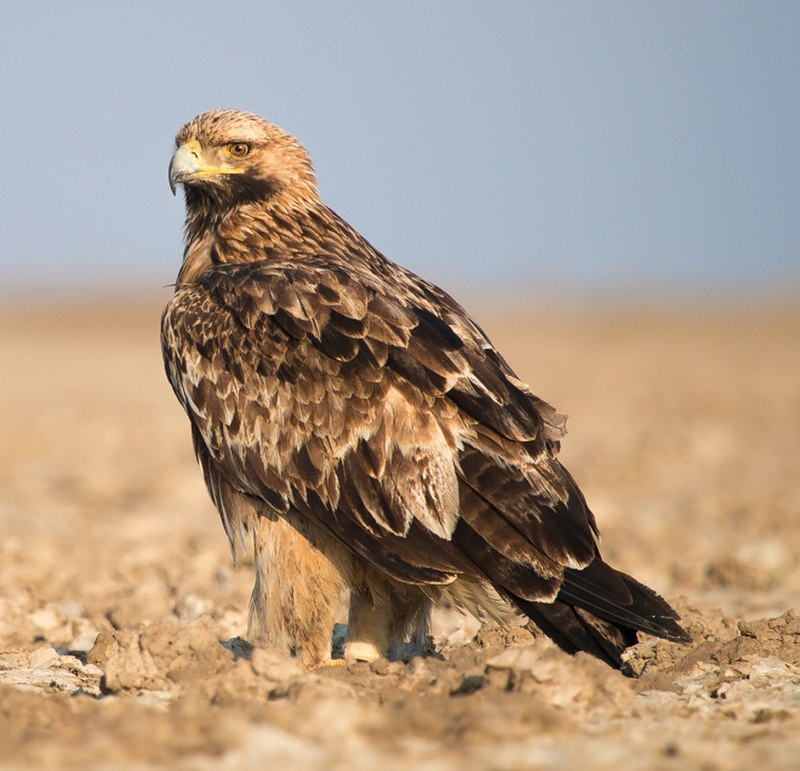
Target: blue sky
{"x":556,"y":147}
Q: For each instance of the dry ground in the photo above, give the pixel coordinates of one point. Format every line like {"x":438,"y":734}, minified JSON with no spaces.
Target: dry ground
{"x":121,"y":616}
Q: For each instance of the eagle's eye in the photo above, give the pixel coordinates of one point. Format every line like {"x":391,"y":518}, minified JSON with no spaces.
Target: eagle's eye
{"x":238,"y":149}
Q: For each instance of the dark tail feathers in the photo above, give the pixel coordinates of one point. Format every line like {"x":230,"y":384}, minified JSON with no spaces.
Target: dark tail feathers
{"x":599,"y":610}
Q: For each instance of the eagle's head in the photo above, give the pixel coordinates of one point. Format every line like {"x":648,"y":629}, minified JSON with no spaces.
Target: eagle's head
{"x":225,"y":158}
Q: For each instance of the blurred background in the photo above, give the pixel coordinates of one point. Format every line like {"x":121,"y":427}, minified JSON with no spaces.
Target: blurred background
{"x":564,"y":150}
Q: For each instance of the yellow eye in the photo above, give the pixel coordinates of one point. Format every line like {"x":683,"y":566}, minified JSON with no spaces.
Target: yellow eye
{"x":238,"y":149}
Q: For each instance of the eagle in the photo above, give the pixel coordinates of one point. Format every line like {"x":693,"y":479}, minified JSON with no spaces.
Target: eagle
{"x":360,"y":430}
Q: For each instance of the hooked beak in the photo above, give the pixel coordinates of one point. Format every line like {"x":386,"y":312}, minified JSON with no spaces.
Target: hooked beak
{"x":187,"y":165}
{"x":184,"y":165}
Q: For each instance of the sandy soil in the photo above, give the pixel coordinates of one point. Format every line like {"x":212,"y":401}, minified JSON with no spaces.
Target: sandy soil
{"x":121,"y":616}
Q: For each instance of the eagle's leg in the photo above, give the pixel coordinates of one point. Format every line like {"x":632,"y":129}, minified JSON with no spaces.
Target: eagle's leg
{"x":368,"y":629}
{"x":384,"y":616}
{"x":296,"y":595}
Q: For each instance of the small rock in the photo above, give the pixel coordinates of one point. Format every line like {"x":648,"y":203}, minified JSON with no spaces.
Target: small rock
{"x":42,"y":657}
{"x":192,"y":606}
{"x":46,"y":619}
{"x":275,"y":665}
{"x":105,"y":646}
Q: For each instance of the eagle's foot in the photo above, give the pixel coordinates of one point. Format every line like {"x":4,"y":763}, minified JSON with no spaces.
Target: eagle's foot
{"x":326,"y":663}
{"x":360,"y":650}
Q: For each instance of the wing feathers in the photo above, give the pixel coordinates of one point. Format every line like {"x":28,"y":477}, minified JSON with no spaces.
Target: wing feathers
{"x":321,"y":352}
{"x":510,"y":576}
{"x":537,"y":499}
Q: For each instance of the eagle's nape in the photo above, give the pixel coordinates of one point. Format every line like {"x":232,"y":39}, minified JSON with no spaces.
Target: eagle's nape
{"x":360,"y":427}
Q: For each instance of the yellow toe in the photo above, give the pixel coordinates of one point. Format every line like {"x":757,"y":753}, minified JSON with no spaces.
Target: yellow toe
{"x":327,"y":663}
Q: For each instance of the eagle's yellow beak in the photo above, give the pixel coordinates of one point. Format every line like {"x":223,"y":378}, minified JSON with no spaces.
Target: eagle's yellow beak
{"x":187,"y":164}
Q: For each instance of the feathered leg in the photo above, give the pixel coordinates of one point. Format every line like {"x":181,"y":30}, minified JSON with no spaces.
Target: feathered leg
{"x":295,"y":597}
{"x":384,"y":616}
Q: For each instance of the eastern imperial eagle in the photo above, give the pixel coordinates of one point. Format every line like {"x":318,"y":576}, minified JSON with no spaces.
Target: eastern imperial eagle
{"x":354,"y":420}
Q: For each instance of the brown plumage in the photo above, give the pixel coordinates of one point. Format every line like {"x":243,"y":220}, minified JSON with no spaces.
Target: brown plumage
{"x":359,"y":426}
